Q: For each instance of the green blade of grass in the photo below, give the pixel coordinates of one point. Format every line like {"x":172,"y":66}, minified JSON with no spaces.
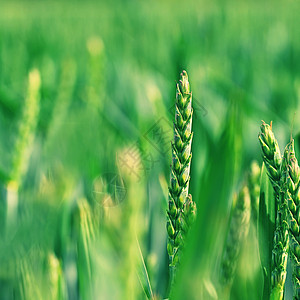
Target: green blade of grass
{"x":143,"y":275}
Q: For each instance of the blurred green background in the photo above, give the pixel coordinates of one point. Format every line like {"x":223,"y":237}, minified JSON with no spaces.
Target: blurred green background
{"x":96,"y":182}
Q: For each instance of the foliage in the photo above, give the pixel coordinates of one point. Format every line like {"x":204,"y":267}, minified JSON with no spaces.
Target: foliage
{"x":88,"y":210}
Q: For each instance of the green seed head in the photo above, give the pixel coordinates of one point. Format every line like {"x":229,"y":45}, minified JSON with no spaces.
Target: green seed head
{"x":184,"y":83}
{"x":269,"y":145}
{"x":180,"y":168}
{"x":238,"y":230}
{"x":267,"y":135}
{"x":291,"y":174}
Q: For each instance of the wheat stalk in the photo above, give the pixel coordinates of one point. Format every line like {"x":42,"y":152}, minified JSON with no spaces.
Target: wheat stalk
{"x":277,"y":172}
{"x":182,"y":209}
{"x":238,"y":230}
{"x":293,"y":199}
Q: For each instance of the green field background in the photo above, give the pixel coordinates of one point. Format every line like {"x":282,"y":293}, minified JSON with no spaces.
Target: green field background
{"x":96,"y":183}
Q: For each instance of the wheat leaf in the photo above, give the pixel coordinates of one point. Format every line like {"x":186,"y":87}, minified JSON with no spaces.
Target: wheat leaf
{"x":143,"y":276}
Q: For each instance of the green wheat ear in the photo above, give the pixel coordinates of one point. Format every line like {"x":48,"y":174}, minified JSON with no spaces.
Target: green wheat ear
{"x":182,"y":210}
{"x":277,"y":172}
{"x":238,"y":231}
{"x":293,"y":198}
{"x":27,"y":128}
{"x":271,"y":154}
{"x":23,"y":145}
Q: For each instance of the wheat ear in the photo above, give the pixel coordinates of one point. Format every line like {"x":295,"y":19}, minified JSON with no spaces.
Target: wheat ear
{"x":293,"y":198}
{"x":271,"y":155}
{"x":238,"y":230}
{"x":281,"y":240}
{"x":23,"y":145}
{"x":27,"y":128}
{"x":181,"y":209}
{"x":277,"y":172}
